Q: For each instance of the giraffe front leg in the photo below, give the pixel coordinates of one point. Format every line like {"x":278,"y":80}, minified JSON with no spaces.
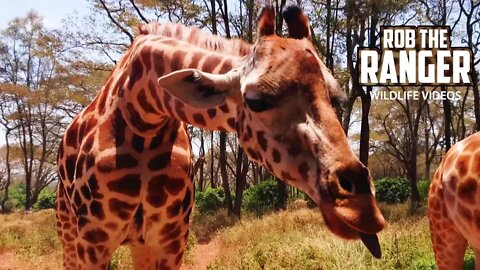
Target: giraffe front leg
{"x":66,"y":229}
{"x":96,"y":241}
{"x":147,"y":257}
{"x":92,"y":256}
{"x":167,"y":254}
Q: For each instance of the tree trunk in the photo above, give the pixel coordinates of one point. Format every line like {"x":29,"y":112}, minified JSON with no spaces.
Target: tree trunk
{"x":250,"y":15}
{"x":476,"y":99}
{"x":226,"y":20}
{"x":447,"y":120}
{"x":413,"y":177}
{"x":365,"y":127}
{"x":347,"y":112}
{"x":282,"y":195}
{"x":213,"y":16}
{"x":427,"y":143}
{"x":4,"y":201}
{"x":202,"y":155}
{"x":240,"y":181}
{"x":223,"y":171}
{"x":212,"y":161}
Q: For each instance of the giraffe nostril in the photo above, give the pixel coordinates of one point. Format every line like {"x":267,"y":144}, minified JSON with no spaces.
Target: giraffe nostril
{"x":347,"y":185}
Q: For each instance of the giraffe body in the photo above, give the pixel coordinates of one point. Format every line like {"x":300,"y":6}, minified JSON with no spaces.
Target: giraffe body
{"x":453,"y":204}
{"x":124,"y":161}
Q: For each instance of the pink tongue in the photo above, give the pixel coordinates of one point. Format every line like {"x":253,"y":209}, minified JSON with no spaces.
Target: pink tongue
{"x":371,"y":242}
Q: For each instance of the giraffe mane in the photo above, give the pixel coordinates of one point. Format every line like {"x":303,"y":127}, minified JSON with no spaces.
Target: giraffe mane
{"x":195,"y":36}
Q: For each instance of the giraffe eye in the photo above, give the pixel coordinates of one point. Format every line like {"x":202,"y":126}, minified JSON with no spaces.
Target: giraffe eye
{"x":258,"y":105}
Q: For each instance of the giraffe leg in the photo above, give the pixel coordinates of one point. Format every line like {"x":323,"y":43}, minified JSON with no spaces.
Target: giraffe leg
{"x":92,"y":257}
{"x":66,"y":229}
{"x":153,"y":258}
{"x":449,"y":245}
{"x":166,"y":256}
{"x":97,"y":241}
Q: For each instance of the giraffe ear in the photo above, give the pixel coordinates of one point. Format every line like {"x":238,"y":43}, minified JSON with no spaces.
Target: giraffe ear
{"x":198,"y":89}
{"x":266,"y":21}
{"x":337,"y":95}
{"x":297,"y":22}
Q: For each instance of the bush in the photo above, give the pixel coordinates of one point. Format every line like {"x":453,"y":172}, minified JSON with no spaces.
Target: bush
{"x":423,"y":187}
{"x":392,"y":190}
{"x":17,"y":196}
{"x":210,"y":200}
{"x":46,"y":200}
{"x":261,"y":198}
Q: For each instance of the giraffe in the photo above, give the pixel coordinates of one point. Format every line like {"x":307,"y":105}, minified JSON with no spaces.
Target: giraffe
{"x":124,"y":161}
{"x":453,"y":209}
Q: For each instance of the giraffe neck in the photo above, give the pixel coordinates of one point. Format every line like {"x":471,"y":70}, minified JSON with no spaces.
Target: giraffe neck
{"x":196,"y":37}
{"x":144,"y":105}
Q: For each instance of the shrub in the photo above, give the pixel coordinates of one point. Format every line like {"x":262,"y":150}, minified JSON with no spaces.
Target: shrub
{"x":209,"y":200}
{"x":46,"y":200}
{"x":17,"y":196}
{"x":423,"y":187}
{"x":261,"y":198}
{"x":392,"y":190}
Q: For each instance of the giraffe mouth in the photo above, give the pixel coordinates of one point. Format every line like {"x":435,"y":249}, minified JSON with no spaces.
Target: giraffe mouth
{"x":352,"y":223}
{"x":372,"y":244}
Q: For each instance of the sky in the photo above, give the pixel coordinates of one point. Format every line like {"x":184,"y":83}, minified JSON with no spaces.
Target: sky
{"x":53,"y":11}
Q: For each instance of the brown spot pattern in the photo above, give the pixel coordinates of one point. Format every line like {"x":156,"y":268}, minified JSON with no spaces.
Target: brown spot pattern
{"x":198,"y":118}
{"x":261,"y":140}
{"x":121,"y":209}
{"x":462,"y":164}
{"x":129,"y":185}
{"x":96,"y":236}
{"x":467,"y":190}
{"x":136,"y":72}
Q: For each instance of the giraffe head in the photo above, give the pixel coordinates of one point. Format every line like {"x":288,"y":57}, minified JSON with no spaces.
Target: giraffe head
{"x":285,"y":120}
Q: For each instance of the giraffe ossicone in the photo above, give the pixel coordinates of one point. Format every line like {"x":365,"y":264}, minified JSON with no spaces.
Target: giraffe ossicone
{"x":124,"y":161}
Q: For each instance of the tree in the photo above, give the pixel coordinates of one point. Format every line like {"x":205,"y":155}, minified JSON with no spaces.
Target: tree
{"x":29,"y":58}
{"x":403,"y":143}
{"x":471,"y":10}
{"x":438,"y":13}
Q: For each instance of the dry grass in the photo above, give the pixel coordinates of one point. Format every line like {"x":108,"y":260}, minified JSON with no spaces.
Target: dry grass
{"x":298,"y":239}
{"x":293,"y":239}
{"x":205,"y":227}
{"x":29,"y":241}
{"x":32,"y":239}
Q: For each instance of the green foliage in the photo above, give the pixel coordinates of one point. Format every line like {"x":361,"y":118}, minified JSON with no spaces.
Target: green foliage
{"x":469,"y":261}
{"x":392,"y":190}
{"x":17,"y":196}
{"x":209,"y":200}
{"x":46,"y":200}
{"x":261,"y":198}
{"x":423,"y":187}
{"x":425,"y":263}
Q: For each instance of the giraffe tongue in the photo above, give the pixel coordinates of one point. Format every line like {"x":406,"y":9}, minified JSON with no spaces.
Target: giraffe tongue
{"x":371,"y":242}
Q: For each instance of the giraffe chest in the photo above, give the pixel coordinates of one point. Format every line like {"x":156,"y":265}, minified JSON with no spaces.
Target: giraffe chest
{"x":154,"y":170}
{"x":137,"y":185}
